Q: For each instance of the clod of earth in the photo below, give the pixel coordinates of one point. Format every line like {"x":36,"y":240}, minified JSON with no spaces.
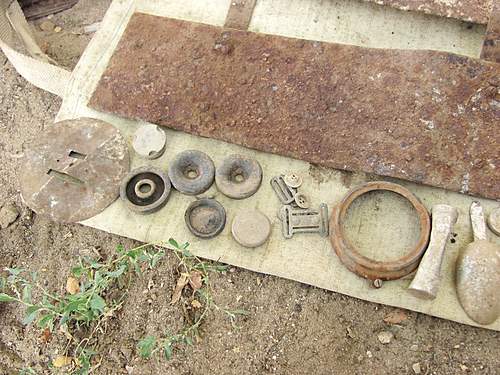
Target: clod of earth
{"x":8,"y":214}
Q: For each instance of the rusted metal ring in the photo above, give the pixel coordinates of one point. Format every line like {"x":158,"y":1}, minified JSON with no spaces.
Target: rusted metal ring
{"x":364,"y":266}
{"x":238,"y":176}
{"x":192,"y":172}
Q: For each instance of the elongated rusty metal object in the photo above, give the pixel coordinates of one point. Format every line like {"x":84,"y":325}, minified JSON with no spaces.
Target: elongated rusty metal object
{"x":424,"y":116}
{"x":491,"y":44}
{"x":476,"y":11}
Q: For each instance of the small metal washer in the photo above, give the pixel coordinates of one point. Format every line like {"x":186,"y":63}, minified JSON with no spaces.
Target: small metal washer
{"x":149,"y":200}
{"x":293,"y":180}
{"x":192,"y":172}
{"x":238,"y":176}
{"x":149,"y":141}
{"x":250,"y":228}
{"x":494,"y":221}
{"x":205,"y":218}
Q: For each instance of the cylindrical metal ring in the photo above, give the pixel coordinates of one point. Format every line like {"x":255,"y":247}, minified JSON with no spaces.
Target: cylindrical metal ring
{"x":144,"y":194}
{"x":364,"y":266}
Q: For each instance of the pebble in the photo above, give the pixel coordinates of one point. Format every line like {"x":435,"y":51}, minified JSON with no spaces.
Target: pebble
{"x":416,"y":368}
{"x":8,"y":214}
{"x":385,"y":337}
{"x":369,"y":354}
{"x":47,"y":26}
{"x":57,"y":29}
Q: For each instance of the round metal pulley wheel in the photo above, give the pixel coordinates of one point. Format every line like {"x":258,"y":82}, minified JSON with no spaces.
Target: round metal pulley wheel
{"x":145,"y":190}
{"x":192,"y":172}
{"x":73,"y":170}
{"x":238,"y":176}
{"x":205,"y":218}
{"x":370,"y":268}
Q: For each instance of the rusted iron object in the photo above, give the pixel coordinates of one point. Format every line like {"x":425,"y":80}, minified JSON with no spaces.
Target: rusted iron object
{"x":491,"y":44}
{"x":369,"y":268}
{"x":73,"y":170}
{"x":476,"y":11}
{"x":424,"y":116}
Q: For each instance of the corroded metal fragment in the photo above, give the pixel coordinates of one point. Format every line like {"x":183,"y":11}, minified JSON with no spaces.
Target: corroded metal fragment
{"x":424,"y":116}
{"x":491,"y":44}
{"x":73,"y":170}
{"x":476,"y":11}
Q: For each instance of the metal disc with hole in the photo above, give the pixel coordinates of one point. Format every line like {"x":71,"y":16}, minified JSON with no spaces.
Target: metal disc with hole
{"x":238,"y":176}
{"x":73,"y":170}
{"x":145,"y":190}
{"x":293,"y":180}
{"x":192,"y":172}
{"x":205,"y":218}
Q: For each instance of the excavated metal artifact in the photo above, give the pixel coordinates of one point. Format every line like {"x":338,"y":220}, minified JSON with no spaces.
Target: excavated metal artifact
{"x":205,"y":218}
{"x":476,"y":11}
{"x":478,"y":273}
{"x":149,"y":141}
{"x":285,"y":193}
{"x":425,"y":284}
{"x":324,"y":103}
{"x":297,"y":220}
{"x":72,"y":171}
{"x":494,"y":221}
{"x":250,"y":228}
{"x":145,"y":190}
{"x":364,"y":266}
{"x":192,"y":172}
{"x":491,"y":44}
{"x":238,"y":176}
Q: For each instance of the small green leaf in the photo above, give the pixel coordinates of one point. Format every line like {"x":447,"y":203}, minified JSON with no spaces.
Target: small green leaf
{"x":174,"y":243}
{"x":167,"y":350}
{"x":120,"y":248}
{"x":27,"y":293}
{"x":14,"y":271}
{"x":77,"y":271}
{"x":46,"y":321}
{"x":6,"y":298}
{"x":97,"y":303}
{"x":188,"y":340}
{"x":118,"y":272}
{"x":146,"y":346}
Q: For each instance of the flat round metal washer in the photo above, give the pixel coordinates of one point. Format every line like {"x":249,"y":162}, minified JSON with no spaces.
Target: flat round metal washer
{"x":192,"y":172}
{"x":145,"y":190}
{"x":149,"y":141}
{"x":494,"y":221}
{"x":238,"y":176}
{"x":251,"y":228}
{"x":72,"y":171}
{"x":205,"y":218}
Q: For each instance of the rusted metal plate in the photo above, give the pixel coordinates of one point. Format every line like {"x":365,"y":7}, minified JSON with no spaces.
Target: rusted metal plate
{"x":423,"y":116}
{"x":491,"y":44}
{"x":73,"y":170}
{"x":476,"y":11}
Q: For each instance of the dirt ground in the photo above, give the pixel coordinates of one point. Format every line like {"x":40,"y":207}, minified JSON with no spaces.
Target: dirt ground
{"x":292,"y":328}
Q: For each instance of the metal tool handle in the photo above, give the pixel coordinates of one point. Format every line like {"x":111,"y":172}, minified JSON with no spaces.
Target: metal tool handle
{"x":478,"y":221}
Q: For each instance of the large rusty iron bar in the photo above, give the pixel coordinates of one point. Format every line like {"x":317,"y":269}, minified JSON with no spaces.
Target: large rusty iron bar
{"x":424,"y":116}
{"x":476,"y":11}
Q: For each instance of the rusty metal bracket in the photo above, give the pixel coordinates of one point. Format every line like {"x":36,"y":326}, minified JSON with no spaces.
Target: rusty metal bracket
{"x":364,"y":266}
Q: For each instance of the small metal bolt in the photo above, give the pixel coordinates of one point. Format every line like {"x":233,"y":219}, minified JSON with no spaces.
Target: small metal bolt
{"x":377,"y":283}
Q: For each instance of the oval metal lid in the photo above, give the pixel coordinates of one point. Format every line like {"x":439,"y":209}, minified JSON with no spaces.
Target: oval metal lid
{"x":73,"y":170}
